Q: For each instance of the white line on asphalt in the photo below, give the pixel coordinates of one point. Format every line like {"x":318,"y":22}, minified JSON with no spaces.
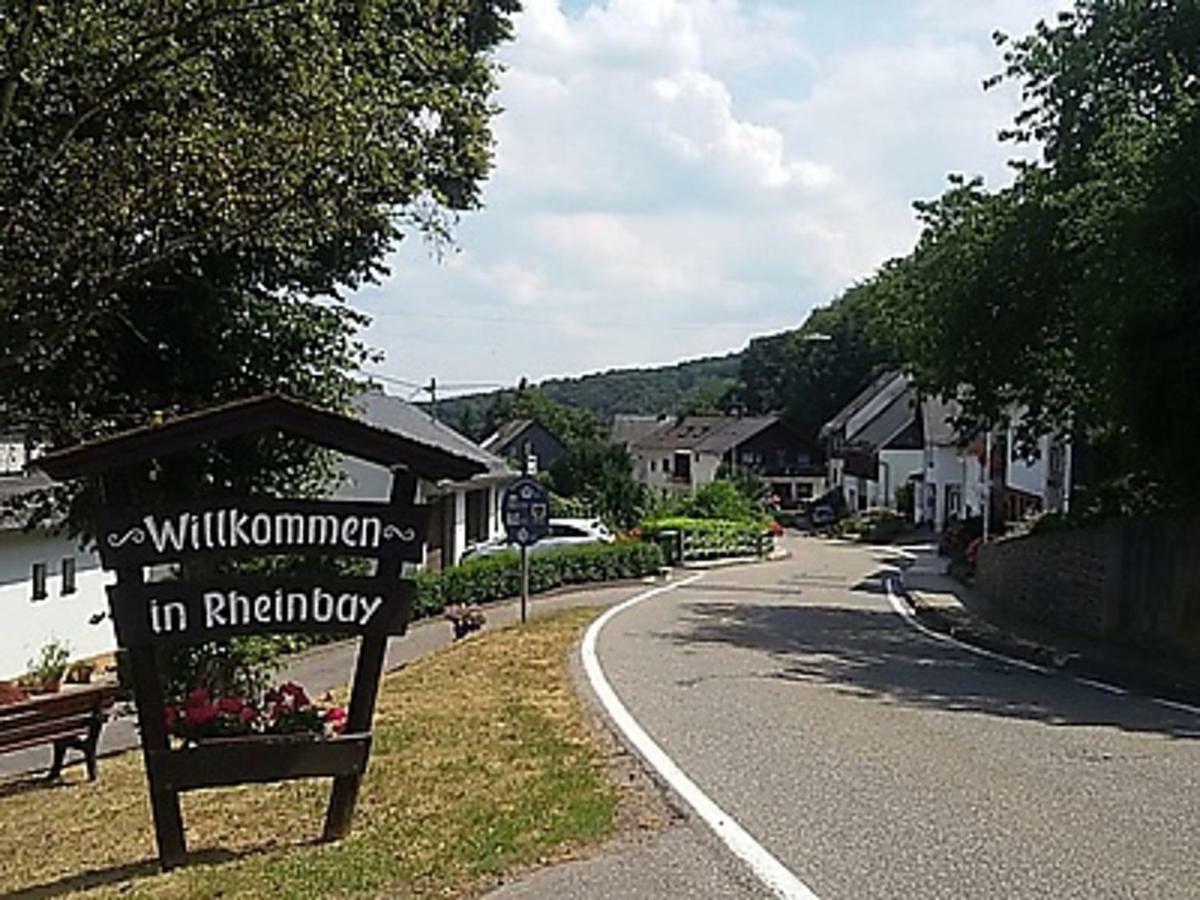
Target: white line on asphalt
{"x":770,"y":871}
{"x":901,"y":609}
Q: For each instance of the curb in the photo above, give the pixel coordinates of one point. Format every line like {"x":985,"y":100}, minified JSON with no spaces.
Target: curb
{"x":968,"y":628}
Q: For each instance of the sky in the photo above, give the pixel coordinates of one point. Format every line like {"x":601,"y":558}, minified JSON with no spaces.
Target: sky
{"x":673,"y":177}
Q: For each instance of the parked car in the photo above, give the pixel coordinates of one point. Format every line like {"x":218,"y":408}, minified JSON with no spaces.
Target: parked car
{"x":563,"y":533}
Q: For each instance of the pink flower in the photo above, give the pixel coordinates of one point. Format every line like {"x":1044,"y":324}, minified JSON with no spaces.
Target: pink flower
{"x":198,"y":697}
{"x":248,"y":714}
{"x":231,"y":705}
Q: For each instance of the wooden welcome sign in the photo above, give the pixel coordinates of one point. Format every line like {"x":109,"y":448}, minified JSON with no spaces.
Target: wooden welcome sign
{"x":148,"y":615}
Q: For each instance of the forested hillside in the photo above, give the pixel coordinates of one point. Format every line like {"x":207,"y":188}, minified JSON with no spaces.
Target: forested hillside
{"x":693,"y":386}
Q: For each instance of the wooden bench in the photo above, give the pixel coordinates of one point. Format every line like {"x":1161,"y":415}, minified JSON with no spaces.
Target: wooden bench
{"x":70,"y":720}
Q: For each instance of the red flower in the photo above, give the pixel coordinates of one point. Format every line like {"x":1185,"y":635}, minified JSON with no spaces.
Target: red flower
{"x":248,"y":714}
{"x":231,"y":705}
{"x":200,"y":715}
{"x":335,"y":718}
{"x":169,"y":717}
{"x":198,"y":697}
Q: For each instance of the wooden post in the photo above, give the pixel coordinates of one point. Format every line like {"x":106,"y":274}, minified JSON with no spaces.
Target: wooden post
{"x":367,"y":672}
{"x":164,"y":801}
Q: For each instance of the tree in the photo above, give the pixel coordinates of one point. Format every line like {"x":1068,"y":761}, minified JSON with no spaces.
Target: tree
{"x":187,"y":188}
{"x":1072,"y":294}
{"x":808,"y":374}
{"x":602,"y":474}
{"x":572,"y":426}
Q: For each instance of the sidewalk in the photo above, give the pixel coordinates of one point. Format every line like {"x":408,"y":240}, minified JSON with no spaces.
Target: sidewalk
{"x":331,"y":666}
{"x":947,"y":605}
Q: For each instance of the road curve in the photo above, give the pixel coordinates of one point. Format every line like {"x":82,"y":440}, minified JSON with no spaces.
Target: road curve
{"x":872,"y":761}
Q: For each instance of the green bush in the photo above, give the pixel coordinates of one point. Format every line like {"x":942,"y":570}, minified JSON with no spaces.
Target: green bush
{"x":720,"y":499}
{"x":875,"y":526}
{"x":708,"y":537}
{"x":498,"y":576}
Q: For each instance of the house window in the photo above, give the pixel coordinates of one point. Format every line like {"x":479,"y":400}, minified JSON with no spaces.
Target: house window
{"x":667,"y":465}
{"x":804,"y":490}
{"x":653,"y":465}
{"x":683,"y":465}
{"x":39,"y":581}
{"x":68,"y":575}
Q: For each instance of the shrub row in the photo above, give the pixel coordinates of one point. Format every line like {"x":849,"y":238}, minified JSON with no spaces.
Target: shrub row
{"x":499,"y":576}
{"x":708,"y":538}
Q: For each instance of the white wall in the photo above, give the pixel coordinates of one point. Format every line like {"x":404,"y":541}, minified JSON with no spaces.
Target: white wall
{"x":894,"y":468}
{"x":28,"y":624}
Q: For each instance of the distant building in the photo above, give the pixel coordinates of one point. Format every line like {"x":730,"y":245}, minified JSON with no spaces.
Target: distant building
{"x":512,"y":439}
{"x":875,"y":443}
{"x":888,"y":435}
{"x":681,"y":454}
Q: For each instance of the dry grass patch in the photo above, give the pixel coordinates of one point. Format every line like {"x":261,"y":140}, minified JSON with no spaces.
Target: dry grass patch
{"x":482,"y":763}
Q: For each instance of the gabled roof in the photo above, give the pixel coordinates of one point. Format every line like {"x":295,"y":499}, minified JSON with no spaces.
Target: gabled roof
{"x":424,"y":454}
{"x":861,"y":399}
{"x":499,"y":439}
{"x":706,"y":434}
{"x":629,"y":429}
{"x":399,"y":416}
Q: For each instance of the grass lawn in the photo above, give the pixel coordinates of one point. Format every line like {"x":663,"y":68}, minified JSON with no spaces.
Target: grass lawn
{"x":482,"y":763}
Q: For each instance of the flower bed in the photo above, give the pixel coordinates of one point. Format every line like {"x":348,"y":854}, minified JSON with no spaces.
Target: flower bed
{"x":286,"y":710}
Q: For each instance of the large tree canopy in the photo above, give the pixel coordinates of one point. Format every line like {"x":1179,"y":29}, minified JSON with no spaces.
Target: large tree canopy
{"x":1075,"y":293}
{"x":138,"y":139}
{"x":186,"y":187}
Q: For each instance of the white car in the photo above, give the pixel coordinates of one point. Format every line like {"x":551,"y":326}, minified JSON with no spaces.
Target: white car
{"x":562,"y":533}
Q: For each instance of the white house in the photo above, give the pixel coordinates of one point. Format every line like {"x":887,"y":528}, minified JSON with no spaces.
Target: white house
{"x":888,"y":435}
{"x":874,"y":443}
{"x":956,"y":481}
{"x":50,"y":588}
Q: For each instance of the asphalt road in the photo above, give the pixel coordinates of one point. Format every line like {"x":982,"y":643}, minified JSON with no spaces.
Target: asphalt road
{"x":873,"y":761}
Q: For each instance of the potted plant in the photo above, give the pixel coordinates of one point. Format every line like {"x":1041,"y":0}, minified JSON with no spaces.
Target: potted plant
{"x":465,"y":617}
{"x":47,"y":668}
{"x":81,"y":672}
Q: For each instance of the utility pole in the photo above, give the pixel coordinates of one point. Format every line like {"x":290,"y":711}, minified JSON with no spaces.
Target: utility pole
{"x":987,"y":485}
{"x":432,"y":397}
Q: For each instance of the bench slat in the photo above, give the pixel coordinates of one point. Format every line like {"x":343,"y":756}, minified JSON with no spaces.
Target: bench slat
{"x":47,"y":729}
{"x":61,"y":703}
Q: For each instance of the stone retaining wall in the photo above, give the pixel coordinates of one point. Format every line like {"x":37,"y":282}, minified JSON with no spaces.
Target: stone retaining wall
{"x":1136,"y":582}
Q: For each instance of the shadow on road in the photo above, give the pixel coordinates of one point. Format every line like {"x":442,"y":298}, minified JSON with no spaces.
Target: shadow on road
{"x":870,"y":654}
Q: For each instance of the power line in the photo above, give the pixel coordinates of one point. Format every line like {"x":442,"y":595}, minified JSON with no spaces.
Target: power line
{"x":587,"y":323}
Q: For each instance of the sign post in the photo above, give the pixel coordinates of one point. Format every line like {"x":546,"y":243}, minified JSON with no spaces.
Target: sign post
{"x":526,"y":505}
{"x":133,"y":534}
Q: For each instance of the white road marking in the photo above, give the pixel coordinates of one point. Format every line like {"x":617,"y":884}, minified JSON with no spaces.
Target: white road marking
{"x":901,"y":609}
{"x":780,"y":880}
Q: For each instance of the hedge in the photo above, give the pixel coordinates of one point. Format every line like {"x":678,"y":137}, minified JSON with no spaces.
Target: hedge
{"x":708,"y":538}
{"x":499,"y":576}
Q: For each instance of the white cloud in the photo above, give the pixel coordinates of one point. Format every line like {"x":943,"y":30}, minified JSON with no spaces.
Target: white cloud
{"x":676,"y":175}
